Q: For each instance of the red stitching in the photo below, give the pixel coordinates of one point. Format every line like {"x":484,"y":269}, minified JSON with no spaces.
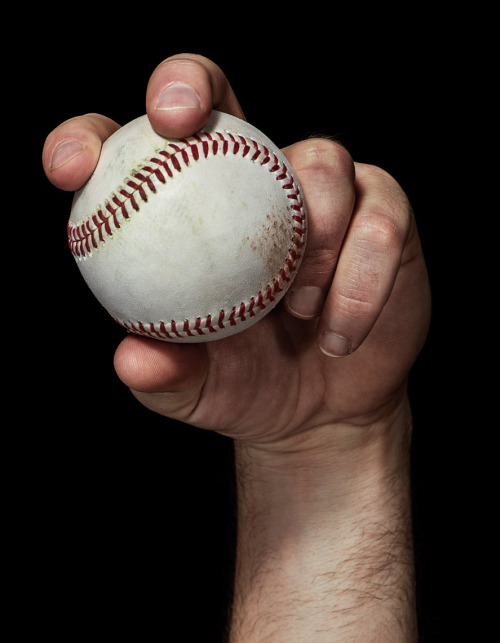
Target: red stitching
{"x":86,"y":236}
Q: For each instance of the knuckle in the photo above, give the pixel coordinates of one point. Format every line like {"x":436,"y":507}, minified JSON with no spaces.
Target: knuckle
{"x":385,"y":222}
{"x":354,"y":302}
{"x":379,"y":230}
{"x":391,"y":198}
{"x":375,"y":172}
{"x":326,"y":156}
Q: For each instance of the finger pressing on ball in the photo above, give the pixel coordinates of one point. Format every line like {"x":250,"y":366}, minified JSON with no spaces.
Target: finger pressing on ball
{"x":71,"y":151}
{"x":326,"y":173}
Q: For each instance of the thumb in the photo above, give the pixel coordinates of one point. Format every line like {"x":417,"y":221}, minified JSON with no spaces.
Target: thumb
{"x":166,"y":378}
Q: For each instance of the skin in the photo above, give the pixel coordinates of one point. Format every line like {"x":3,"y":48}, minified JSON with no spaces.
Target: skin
{"x":318,"y":386}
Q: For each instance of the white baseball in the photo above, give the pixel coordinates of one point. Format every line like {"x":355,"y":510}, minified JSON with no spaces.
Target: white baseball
{"x":189,"y":240}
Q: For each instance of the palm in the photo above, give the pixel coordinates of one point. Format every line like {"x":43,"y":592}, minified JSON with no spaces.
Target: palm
{"x":272,"y":380}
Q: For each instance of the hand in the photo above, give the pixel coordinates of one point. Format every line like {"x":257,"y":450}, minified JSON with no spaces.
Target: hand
{"x":314,"y":394}
{"x":361,"y":293}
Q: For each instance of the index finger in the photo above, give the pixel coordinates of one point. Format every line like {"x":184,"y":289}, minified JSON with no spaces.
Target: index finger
{"x":72,"y":149}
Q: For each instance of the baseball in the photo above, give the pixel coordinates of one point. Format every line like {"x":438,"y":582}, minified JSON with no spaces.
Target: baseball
{"x":189,"y":240}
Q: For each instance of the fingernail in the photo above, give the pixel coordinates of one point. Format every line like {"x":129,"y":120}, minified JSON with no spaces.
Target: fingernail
{"x":178,"y":96}
{"x":306,"y":302}
{"x":335,"y":345}
{"x":66,"y":151}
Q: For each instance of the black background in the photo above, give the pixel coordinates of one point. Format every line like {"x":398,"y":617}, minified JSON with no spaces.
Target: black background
{"x":122,"y":520}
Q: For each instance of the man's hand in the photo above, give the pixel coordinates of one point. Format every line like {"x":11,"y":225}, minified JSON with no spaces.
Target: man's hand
{"x":361,"y":292}
{"x":314,"y":394}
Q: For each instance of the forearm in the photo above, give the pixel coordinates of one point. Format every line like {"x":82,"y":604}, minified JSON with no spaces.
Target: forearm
{"x":324,"y":541}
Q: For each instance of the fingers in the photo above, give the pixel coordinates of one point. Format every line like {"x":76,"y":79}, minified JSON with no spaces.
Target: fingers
{"x":182,"y":91}
{"x":359,"y":218}
{"x":368,"y":265}
{"x":180,"y":96}
{"x":326,"y":173}
{"x":71,"y":150}
{"x":359,"y":222}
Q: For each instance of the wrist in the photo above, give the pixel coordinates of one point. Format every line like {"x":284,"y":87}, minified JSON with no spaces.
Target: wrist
{"x":346,"y":457}
{"x":324,"y":527}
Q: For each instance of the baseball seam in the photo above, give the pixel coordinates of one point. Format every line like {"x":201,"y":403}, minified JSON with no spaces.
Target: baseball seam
{"x":87,"y":235}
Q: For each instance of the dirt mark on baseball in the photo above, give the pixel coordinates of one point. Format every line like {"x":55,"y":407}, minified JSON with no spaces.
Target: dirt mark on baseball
{"x":272,"y":239}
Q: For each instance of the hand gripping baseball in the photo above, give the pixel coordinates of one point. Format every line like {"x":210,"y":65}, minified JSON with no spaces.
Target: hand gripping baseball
{"x":361,"y":291}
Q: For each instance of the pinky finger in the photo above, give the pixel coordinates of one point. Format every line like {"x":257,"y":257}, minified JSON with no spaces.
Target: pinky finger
{"x":368,"y":265}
